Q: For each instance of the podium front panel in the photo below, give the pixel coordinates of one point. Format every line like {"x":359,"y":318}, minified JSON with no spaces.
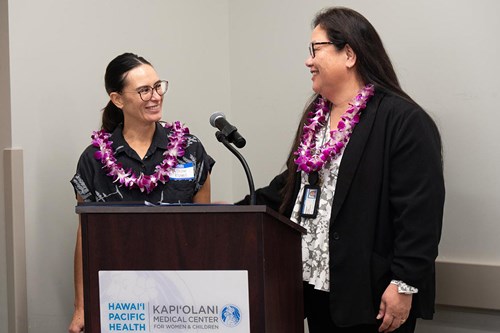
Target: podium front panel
{"x":199,"y":238}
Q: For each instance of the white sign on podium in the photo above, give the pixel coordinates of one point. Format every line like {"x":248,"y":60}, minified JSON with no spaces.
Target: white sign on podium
{"x":174,"y":301}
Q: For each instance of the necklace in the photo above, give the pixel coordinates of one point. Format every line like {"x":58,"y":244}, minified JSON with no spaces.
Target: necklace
{"x":175,"y":149}
{"x":311,"y":159}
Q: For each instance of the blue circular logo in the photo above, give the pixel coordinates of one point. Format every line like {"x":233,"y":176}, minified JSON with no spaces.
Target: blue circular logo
{"x":230,"y":315}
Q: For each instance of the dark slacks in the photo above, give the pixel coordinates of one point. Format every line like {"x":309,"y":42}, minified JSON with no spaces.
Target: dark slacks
{"x":317,"y":312}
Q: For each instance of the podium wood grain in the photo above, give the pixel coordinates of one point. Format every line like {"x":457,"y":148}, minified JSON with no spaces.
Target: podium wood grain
{"x":251,"y":238}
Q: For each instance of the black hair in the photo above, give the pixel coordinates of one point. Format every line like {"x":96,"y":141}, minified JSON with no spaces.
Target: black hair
{"x":114,"y":81}
{"x":345,"y":26}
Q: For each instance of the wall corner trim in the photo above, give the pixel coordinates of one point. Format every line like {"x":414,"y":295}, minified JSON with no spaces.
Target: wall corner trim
{"x":15,"y":241}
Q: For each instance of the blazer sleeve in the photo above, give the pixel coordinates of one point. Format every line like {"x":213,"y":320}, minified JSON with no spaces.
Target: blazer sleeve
{"x":269,"y":195}
{"x":416,"y":196}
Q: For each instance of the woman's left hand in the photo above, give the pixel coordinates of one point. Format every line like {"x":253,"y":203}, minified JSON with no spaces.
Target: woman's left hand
{"x":394,"y":309}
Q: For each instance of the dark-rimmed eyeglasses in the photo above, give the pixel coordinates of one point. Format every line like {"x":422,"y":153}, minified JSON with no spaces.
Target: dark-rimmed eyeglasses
{"x":312,"y":51}
{"x":146,"y":92}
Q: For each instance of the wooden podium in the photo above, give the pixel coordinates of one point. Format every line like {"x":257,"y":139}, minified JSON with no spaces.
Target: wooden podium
{"x":199,"y":237}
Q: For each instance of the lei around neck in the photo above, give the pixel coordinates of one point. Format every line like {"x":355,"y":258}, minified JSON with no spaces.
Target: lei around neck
{"x":310,"y":159}
{"x":175,"y":149}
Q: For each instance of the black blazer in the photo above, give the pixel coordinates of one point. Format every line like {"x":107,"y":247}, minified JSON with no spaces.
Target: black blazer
{"x":387,"y":210}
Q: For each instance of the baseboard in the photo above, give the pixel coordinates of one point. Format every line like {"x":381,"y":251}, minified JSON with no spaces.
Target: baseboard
{"x":468,"y":285}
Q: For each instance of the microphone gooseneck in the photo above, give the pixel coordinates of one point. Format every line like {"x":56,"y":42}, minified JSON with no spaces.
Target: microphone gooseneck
{"x":228,"y":134}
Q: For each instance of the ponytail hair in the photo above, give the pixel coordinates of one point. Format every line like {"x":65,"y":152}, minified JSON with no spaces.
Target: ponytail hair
{"x":112,"y":116}
{"x":114,"y":81}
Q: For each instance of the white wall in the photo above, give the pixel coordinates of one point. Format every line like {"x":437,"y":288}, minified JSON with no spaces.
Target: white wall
{"x":269,"y":83}
{"x":245,"y":58}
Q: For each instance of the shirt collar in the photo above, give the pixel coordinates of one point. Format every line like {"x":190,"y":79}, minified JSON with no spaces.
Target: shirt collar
{"x":160,"y":140}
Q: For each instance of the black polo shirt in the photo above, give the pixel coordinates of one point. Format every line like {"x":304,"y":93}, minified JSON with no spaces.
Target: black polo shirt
{"x":93,"y":184}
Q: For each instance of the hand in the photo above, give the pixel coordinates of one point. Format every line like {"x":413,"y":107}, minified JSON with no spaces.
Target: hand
{"x":394,"y":309}
{"x":77,"y":323}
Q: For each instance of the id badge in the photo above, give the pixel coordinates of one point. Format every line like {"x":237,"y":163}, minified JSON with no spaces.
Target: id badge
{"x":310,"y":201}
{"x":182,"y":172}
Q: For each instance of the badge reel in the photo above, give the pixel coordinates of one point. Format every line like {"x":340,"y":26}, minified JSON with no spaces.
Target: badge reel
{"x":310,"y":197}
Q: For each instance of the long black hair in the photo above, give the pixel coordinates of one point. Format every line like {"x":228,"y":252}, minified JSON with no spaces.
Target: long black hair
{"x":343,"y":27}
{"x":114,"y":80}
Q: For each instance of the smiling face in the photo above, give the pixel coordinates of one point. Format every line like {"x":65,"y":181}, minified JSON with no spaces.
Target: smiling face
{"x":329,"y":67}
{"x":135,"y":110}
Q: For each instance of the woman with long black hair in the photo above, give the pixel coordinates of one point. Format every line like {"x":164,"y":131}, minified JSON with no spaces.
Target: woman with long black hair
{"x":365,"y":178}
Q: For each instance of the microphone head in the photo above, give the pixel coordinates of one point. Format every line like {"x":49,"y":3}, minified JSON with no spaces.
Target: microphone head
{"x":215,"y":116}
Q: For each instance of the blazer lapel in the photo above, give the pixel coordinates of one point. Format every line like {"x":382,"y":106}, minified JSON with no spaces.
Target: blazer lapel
{"x":353,"y":152}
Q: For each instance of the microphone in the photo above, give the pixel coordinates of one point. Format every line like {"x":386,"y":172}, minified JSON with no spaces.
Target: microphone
{"x":228,"y":134}
{"x":218,"y":120}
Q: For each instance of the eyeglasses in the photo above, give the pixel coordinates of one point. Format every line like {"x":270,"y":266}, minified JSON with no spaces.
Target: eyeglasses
{"x":146,"y":92}
{"x":312,"y":51}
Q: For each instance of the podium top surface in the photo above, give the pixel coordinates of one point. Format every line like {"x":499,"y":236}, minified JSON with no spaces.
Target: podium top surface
{"x":141,"y":208}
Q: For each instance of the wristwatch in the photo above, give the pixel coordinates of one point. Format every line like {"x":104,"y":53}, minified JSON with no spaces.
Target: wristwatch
{"x":403,"y":288}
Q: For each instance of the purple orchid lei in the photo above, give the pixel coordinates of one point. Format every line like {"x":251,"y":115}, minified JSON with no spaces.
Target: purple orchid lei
{"x":175,"y":149}
{"x":311,"y":159}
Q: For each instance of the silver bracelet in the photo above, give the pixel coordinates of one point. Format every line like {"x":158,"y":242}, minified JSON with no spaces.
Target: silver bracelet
{"x":403,"y":288}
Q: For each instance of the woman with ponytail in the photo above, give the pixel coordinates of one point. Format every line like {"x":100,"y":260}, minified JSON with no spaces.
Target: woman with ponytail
{"x":364,"y":177}
{"x":135,"y":156}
